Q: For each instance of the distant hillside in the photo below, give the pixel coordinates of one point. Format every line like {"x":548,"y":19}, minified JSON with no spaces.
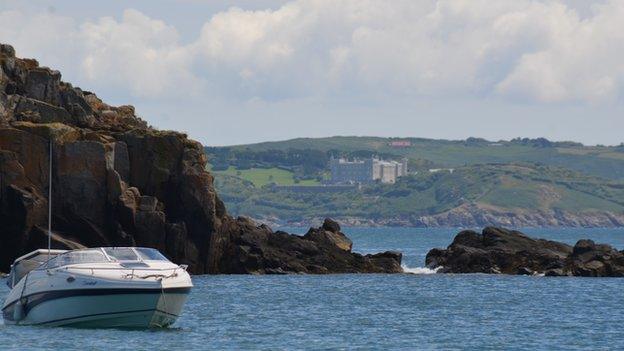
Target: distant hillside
{"x":602,"y":161}
{"x":490,"y":194}
{"x":522,"y":182}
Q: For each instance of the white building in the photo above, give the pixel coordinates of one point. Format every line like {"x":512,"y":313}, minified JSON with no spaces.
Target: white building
{"x":366,"y":171}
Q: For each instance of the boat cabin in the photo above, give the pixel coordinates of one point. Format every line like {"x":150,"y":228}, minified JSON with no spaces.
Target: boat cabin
{"x":33,"y":260}
{"x":128,"y":257}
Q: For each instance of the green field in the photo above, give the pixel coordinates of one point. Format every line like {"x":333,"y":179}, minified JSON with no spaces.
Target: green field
{"x":602,"y":161}
{"x":260,"y":177}
{"x":517,"y":176}
{"x":515,"y":188}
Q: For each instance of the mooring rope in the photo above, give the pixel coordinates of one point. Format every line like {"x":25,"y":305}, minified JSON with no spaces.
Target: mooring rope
{"x":157,"y":276}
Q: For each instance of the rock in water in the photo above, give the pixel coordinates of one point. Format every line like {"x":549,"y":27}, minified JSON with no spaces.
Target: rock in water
{"x":257,"y":249}
{"x":119,"y":182}
{"x":498,"y":250}
{"x":330,"y":234}
{"x":596,"y":260}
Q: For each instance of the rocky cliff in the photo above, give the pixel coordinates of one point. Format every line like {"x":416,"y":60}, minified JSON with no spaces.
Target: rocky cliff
{"x":477,"y":215}
{"x":119,"y":182}
{"x":498,"y":250}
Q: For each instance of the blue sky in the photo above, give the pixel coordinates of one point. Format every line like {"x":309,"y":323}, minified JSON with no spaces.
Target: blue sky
{"x":232,"y":72}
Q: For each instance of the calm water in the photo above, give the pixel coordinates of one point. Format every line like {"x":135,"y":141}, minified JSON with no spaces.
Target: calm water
{"x":407,"y":311}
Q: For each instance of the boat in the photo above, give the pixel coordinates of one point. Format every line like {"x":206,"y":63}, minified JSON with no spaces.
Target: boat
{"x":117,"y":287}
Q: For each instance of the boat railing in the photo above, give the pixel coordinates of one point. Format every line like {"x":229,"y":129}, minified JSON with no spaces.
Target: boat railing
{"x":130,"y":275}
{"x":125,"y":269}
{"x":133,"y":271}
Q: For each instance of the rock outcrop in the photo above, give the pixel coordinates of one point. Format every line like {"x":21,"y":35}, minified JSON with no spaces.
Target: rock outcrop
{"x":498,"y":250}
{"x":257,"y":249}
{"x":119,"y":182}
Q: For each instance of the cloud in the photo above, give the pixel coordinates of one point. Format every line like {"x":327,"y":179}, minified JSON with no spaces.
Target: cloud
{"x":48,"y":37}
{"x":137,"y":52}
{"x":520,"y":50}
{"x":580,"y":59}
{"x":136,"y":55}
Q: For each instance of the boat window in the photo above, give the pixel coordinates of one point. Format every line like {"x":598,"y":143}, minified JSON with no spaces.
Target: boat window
{"x":121,"y":254}
{"x":25,"y":265}
{"x":150,"y":254}
{"x":76,"y":257}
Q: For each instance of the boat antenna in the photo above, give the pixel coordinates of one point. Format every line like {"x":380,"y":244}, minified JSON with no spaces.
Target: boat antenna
{"x":50,"y":201}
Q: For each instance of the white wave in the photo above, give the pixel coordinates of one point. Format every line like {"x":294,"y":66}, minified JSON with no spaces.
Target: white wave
{"x":420,"y":270}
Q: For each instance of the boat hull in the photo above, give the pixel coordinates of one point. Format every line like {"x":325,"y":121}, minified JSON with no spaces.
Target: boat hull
{"x":100,"y":308}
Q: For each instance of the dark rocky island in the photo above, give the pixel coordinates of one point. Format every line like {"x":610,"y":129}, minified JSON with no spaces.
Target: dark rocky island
{"x":119,"y":182}
{"x":498,"y":250}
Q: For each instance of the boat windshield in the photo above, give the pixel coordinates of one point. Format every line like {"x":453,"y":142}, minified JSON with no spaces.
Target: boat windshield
{"x":134,"y":254}
{"x":116,"y":254}
{"x":76,"y":257}
{"x":150,"y":254}
{"x":121,"y":253}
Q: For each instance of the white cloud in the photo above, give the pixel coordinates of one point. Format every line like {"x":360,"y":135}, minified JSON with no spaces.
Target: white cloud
{"x":137,"y":55}
{"x":579,"y":59}
{"x":138,"y":52}
{"x":49,"y":38}
{"x":536,"y":51}
{"x":523,"y":50}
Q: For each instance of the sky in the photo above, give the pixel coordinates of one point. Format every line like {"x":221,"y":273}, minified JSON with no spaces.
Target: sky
{"x":244,"y":71}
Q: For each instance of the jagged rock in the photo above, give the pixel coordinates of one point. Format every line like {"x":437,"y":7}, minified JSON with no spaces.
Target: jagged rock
{"x":258,"y":250}
{"x":121,"y":161}
{"x":589,"y":259}
{"x":43,"y":84}
{"x":331,"y":225}
{"x":31,"y":110}
{"x":6,"y":49}
{"x":119,"y":182}
{"x":389,"y":261}
{"x":330,"y":233}
{"x":498,"y":250}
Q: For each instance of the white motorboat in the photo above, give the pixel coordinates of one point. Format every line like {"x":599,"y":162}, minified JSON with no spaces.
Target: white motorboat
{"x":96,"y":287}
{"x":99,"y":287}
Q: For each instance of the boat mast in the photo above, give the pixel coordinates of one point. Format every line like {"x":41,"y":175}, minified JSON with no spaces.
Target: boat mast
{"x":50,"y":201}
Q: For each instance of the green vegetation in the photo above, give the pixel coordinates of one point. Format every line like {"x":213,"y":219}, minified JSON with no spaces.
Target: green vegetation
{"x":260,"y":177}
{"x":303,"y":163}
{"x":602,"y":161}
{"x":513,"y":187}
{"x":516,"y":176}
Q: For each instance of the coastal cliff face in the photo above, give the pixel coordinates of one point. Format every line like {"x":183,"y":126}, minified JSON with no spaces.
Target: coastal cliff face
{"x":119,"y":182}
{"x":476,"y":215}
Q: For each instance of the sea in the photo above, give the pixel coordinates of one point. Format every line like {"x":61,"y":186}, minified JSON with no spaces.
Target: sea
{"x":419,"y":310}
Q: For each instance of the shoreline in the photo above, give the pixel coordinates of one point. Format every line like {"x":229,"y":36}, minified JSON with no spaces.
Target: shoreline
{"x":465,"y":216}
{"x":305,"y":224}
{"x":302,"y":226}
